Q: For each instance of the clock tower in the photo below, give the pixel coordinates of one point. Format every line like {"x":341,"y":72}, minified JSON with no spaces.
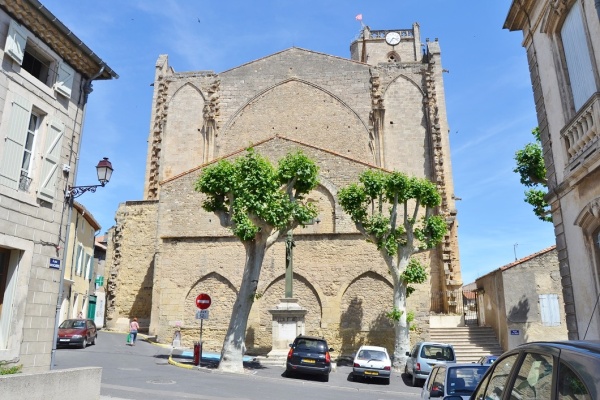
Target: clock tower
{"x":390,"y":45}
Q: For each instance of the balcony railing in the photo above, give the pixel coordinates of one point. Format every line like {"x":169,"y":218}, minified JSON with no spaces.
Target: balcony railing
{"x":581,"y":134}
{"x":24,"y":182}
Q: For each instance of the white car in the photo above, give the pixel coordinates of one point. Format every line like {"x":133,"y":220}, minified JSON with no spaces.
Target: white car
{"x":372,"y":362}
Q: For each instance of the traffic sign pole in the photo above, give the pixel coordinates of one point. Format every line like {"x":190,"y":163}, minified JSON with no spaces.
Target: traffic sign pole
{"x":203,"y":301}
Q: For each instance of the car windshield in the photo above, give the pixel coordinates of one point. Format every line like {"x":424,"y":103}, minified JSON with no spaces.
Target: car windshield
{"x":437,"y":352}
{"x":376,"y":355}
{"x":72,"y":323}
{"x":464,"y":380}
{"x":311,"y":344}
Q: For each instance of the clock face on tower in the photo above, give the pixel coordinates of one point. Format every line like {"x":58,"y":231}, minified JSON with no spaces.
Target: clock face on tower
{"x":392,"y":38}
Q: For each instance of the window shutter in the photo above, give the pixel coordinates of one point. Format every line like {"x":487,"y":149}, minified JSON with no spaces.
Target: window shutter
{"x":549,"y":309}
{"x":88,"y":267}
{"x":64,"y":82}
{"x":78,"y":260}
{"x":15,"y":42}
{"x":14,"y":143}
{"x":577,"y":55}
{"x":52,"y":152}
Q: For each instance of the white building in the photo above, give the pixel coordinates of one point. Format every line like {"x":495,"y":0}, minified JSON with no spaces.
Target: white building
{"x":45,"y":78}
{"x":562,"y":40}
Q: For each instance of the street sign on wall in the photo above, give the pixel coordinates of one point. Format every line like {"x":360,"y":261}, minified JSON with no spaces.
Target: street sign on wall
{"x":203,"y":301}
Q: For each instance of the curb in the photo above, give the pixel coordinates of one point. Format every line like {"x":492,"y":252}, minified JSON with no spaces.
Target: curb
{"x":180,"y":365}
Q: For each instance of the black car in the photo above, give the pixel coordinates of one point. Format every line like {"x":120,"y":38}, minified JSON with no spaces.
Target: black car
{"x":544,"y":370}
{"x":309,"y":355}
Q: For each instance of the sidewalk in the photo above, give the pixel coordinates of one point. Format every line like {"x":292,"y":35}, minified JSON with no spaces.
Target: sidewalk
{"x":184,"y":358}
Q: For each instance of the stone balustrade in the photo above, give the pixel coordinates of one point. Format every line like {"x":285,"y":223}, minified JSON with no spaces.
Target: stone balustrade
{"x":582,"y":132}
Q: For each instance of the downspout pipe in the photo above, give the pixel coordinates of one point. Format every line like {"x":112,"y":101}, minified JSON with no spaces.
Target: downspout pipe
{"x":86,"y":89}
{"x":597,"y":3}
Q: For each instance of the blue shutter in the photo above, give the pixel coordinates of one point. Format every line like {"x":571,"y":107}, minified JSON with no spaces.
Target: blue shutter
{"x":14,"y":143}
{"x":15,"y":42}
{"x":52,"y":152}
{"x":64,"y":82}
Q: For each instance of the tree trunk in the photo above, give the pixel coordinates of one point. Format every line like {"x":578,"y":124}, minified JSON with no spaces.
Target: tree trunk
{"x":234,"y":345}
{"x":402,"y":342}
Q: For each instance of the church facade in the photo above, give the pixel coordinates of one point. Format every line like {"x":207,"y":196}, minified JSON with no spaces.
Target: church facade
{"x":382,"y":108}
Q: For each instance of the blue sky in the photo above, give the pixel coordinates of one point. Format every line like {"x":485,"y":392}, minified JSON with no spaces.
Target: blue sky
{"x":488,"y":92}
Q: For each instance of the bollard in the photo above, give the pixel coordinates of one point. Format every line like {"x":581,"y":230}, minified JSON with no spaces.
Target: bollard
{"x":197,"y":352}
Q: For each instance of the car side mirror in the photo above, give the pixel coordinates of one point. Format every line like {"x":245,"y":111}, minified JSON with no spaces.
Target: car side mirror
{"x":435,"y":392}
{"x":331,"y":349}
{"x":408,"y":353}
{"x":291,"y":344}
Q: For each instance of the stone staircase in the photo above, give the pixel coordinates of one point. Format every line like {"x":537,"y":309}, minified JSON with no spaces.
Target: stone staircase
{"x":470,"y":342}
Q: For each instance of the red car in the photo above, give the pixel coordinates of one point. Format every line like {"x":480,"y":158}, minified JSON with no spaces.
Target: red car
{"x":77,"y":332}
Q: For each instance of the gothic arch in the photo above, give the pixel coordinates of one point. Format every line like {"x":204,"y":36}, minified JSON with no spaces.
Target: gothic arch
{"x":182,"y":132}
{"x":302,"y":111}
{"x":325,"y":198}
{"x":211,"y":275}
{"x":402,"y":76}
{"x":263,"y":92}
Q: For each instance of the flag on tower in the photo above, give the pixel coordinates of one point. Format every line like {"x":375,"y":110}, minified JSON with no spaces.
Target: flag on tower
{"x":359,"y":17}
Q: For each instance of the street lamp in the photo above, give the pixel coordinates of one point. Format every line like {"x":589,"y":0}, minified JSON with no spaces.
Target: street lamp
{"x":104,"y":170}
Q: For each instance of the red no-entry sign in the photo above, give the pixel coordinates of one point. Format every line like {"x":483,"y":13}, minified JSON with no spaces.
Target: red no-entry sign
{"x":203,"y":301}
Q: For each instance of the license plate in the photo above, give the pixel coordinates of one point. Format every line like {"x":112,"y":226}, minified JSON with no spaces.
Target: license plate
{"x":371,"y":373}
{"x":65,"y":340}
{"x":308,"y":361}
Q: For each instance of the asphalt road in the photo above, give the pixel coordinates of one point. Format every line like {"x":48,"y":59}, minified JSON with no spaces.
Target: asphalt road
{"x":143,"y":372}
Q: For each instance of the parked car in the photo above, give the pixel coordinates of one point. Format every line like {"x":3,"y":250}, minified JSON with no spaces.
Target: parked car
{"x":453,"y":381}
{"x":544,"y":370}
{"x":372,"y":362}
{"x":487,"y":360}
{"x":309,"y":355}
{"x":423,"y":356}
{"x":76,"y":332}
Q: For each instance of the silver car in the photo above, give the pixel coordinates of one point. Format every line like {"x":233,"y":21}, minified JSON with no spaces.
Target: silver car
{"x":453,"y":381}
{"x":423,"y":356}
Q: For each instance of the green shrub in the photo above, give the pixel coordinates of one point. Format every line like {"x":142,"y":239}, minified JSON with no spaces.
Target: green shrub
{"x":15,"y":369}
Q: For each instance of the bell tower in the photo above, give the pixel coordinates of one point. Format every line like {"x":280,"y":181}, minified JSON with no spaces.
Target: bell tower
{"x":390,"y":45}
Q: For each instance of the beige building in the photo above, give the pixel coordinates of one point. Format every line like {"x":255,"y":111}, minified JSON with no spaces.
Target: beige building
{"x":562,"y":40}
{"x":45,"y":78}
{"x":523,"y":301}
{"x":382,"y":108}
{"x":79,"y":287}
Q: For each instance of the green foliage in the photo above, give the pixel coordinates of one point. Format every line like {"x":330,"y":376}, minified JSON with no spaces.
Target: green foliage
{"x":250,"y":189}
{"x":532,"y":170}
{"x":535,"y":197}
{"x":258,"y":295}
{"x":414,"y":272}
{"x":394,"y":315}
{"x":377,"y":203}
{"x":410,"y":317}
{"x":15,"y":369}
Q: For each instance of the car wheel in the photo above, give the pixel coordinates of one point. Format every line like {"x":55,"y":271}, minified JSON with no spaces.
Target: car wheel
{"x":288,"y":373}
{"x":84,"y":343}
{"x":386,"y":381}
{"x":414,"y":380}
{"x":325,"y":378}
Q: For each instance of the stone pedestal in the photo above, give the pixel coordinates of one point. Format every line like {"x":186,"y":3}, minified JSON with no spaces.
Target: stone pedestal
{"x":288,"y":322}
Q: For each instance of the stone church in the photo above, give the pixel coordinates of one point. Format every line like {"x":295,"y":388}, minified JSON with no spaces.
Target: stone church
{"x":383,"y":107}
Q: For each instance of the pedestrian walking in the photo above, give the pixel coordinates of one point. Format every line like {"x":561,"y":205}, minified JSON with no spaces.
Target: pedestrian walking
{"x":80,"y":315}
{"x":133,"y":330}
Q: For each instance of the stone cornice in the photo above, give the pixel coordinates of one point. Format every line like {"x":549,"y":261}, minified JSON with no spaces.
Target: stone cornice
{"x":57,"y":36}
